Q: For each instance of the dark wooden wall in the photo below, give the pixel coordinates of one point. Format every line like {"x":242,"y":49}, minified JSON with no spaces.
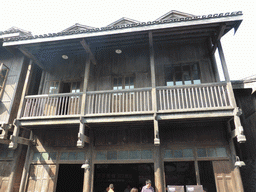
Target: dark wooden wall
{"x":133,"y":61}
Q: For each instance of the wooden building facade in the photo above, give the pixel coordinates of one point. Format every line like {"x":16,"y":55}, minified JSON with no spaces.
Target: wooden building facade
{"x":128,"y":102}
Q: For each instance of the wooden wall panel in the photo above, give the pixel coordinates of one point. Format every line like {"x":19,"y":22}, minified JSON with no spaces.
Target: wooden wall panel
{"x":202,"y":133}
{"x":5,"y":171}
{"x":177,"y":53}
{"x":15,"y":64}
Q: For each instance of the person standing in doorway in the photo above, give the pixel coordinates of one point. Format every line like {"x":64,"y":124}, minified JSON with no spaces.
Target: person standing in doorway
{"x":147,"y":187}
{"x":111,"y":188}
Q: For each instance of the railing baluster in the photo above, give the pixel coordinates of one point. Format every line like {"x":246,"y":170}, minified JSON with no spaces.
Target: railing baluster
{"x":213,"y":100}
{"x":165,"y":108}
{"x":220,"y":96}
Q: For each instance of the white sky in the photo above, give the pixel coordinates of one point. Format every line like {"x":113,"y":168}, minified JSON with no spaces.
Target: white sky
{"x":49,"y":16}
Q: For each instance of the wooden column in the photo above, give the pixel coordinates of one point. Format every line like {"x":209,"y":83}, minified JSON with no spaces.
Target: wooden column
{"x":236,"y":174}
{"x":13,"y":144}
{"x":25,"y":171}
{"x":153,"y":84}
{"x":88,"y":184}
{"x":159,"y":182}
{"x":80,"y":142}
{"x":223,"y":62}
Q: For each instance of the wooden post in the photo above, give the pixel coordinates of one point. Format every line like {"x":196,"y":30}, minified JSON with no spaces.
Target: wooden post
{"x":159,"y":183}
{"x":80,"y":142}
{"x":25,"y":171}
{"x":223,"y":62}
{"x":153,"y":84}
{"x":88,"y":173}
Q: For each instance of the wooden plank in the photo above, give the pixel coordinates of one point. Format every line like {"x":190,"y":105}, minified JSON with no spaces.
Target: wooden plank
{"x":220,"y":34}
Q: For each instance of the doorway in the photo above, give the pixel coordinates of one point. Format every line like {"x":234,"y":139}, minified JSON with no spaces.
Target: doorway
{"x":70,"y":178}
{"x":180,"y":173}
{"x":121,"y":175}
{"x":206,"y":175}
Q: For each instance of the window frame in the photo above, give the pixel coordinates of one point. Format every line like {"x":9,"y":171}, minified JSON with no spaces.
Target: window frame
{"x":171,"y":68}
{"x":4,"y":78}
{"x":123,"y":82}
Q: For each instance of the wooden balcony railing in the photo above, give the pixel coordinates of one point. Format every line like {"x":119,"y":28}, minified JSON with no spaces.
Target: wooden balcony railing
{"x":52,"y":105}
{"x":169,"y":99}
{"x":119,"y":101}
{"x":193,"y":97}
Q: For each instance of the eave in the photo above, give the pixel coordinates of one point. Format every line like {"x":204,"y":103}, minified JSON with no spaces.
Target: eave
{"x":140,"y":27}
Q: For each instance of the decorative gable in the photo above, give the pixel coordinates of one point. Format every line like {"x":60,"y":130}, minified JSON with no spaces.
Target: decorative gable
{"x":174,"y":15}
{"x":123,"y":21}
{"x":77,"y":27}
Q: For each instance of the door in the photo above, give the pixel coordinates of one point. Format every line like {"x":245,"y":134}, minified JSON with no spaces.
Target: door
{"x":41,"y":178}
{"x":224,"y":176}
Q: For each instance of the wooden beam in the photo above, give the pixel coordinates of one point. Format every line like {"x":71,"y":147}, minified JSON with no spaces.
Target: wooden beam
{"x":220,"y":34}
{"x":88,"y":50}
{"x":31,"y":56}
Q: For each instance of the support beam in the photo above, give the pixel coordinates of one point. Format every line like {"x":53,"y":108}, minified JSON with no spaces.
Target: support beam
{"x":220,"y":34}
{"x":223,"y":62}
{"x":31,"y":56}
{"x":85,"y":85}
{"x":88,"y":50}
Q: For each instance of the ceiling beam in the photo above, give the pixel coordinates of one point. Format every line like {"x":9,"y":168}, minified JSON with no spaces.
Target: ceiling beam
{"x":31,"y":56}
{"x":220,"y":34}
{"x":88,"y":50}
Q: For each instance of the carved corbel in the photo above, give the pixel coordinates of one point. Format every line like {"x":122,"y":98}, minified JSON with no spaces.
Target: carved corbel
{"x":14,"y":137}
{"x":81,"y":137}
{"x":238,"y":132}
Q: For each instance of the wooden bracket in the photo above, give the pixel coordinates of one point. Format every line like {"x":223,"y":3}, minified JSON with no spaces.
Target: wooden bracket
{"x":21,"y":140}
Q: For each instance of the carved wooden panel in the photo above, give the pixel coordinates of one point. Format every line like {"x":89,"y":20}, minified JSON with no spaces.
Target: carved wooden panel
{"x":41,"y":178}
{"x":223,"y":176}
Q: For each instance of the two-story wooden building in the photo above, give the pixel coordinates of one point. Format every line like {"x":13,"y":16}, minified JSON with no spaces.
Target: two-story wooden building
{"x":130,"y":101}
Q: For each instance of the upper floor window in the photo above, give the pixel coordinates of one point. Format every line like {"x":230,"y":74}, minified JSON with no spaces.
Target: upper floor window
{"x":54,"y":87}
{"x":123,"y":82}
{"x":182,"y":74}
{"x":3,"y":76}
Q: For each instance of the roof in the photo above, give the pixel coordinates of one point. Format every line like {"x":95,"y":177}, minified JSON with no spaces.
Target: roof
{"x":14,"y":32}
{"x":116,"y":28}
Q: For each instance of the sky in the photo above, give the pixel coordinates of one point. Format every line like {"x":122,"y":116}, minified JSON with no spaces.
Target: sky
{"x":50,"y":16}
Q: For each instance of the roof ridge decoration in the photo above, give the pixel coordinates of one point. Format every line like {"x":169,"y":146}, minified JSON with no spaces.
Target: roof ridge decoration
{"x":123,"y":21}
{"x":125,"y":26}
{"x":173,"y":14}
{"x":77,"y":27}
{"x":16,"y":30}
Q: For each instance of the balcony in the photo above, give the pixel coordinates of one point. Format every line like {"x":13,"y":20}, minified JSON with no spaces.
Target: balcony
{"x":189,"y":99}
